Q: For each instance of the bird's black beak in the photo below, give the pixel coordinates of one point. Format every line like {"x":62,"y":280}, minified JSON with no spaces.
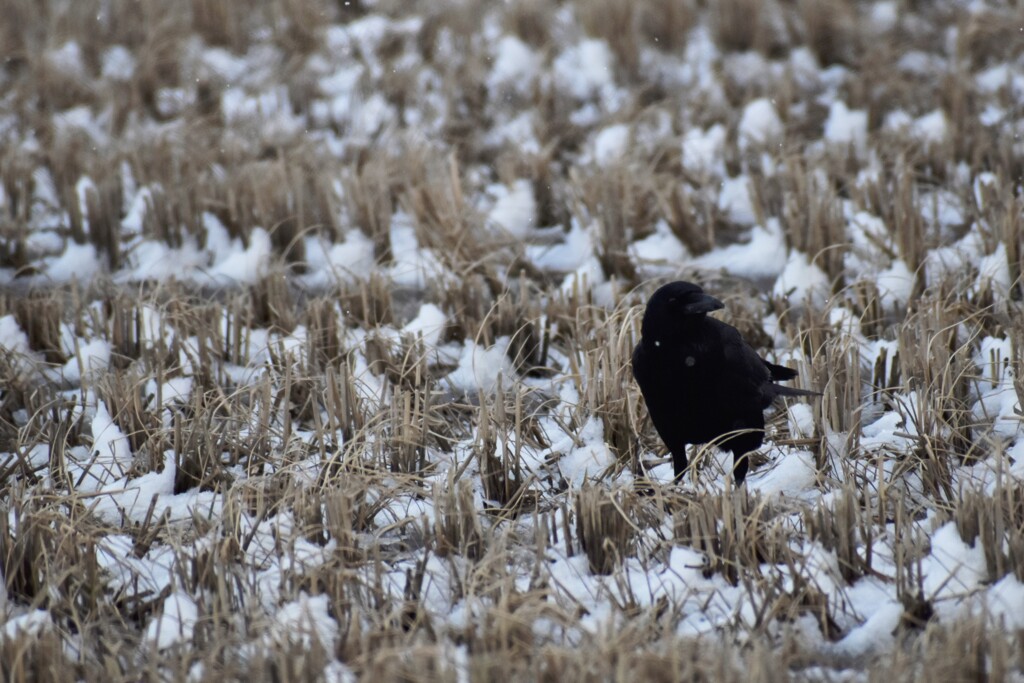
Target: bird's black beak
{"x":705,"y":304}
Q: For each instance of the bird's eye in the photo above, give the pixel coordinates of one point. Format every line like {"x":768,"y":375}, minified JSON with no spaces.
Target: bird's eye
{"x":671,"y":299}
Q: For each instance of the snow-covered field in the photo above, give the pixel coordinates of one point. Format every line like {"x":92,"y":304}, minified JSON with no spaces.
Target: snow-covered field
{"x":316,"y":319}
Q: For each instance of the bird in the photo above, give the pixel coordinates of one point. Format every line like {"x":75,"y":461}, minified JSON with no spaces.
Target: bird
{"x":700,"y":379}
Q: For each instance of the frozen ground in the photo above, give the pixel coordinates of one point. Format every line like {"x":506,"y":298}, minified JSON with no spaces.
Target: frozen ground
{"x":316,"y":322}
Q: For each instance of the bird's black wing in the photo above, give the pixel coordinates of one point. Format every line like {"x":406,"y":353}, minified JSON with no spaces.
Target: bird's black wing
{"x":760,"y":375}
{"x":639,"y":365}
{"x":741,"y":360}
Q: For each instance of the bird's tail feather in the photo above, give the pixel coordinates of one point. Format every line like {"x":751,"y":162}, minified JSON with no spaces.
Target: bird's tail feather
{"x":780,"y":373}
{"x":792,"y":391}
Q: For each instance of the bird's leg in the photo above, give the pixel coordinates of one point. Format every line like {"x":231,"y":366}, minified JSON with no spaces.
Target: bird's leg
{"x":741,"y":463}
{"x":679,"y":462}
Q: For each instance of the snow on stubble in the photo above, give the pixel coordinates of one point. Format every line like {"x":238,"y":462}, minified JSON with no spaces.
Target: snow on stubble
{"x":847,"y":127}
{"x":481,"y":367}
{"x":793,"y":475}
{"x":762,"y":256}
{"x":85,"y":190}
{"x":895,"y":285}
{"x":134,"y":218}
{"x":428,"y":324}
{"x":340,"y":91}
{"x":78,"y":262}
{"x":660,"y":253}
{"x":585,"y":69}
{"x":760,"y":125}
{"x":997,"y":401}
{"x":46,"y":203}
{"x":871,"y":244}
{"x":15,"y":347}
{"x":348,"y":261}
{"x":588,"y":462}
{"x":515,"y":209}
{"x":929,"y":129}
{"x":268,"y":110}
{"x":176,"y":622}
{"x":588,"y":277}
{"x":111,"y":453}
{"x":68,"y":60}
{"x":412,"y":265}
{"x":517,"y":130}
{"x":304,"y":621}
{"x":516,"y":66}
{"x":953,"y":259}
{"x":89,"y":360}
{"x":154,"y":261}
{"x":952,"y":570}
{"x":801,"y":420}
{"x":609,"y":145}
{"x":117,"y":64}
{"x":31,"y":625}
{"x":875,"y":633}
{"x":802,"y":282}
{"x":572,"y":252}
{"x":735,"y":199}
{"x":703,"y":150}
{"x":242,"y":265}
{"x":994,"y":275}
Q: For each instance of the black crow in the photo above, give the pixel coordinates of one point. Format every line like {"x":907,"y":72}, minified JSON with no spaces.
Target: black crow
{"x":700,"y":380}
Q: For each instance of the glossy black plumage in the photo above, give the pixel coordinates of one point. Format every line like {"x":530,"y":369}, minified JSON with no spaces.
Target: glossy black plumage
{"x":701,"y":381}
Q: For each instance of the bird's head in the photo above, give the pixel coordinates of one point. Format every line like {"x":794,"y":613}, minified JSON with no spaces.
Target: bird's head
{"x":675,"y":306}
